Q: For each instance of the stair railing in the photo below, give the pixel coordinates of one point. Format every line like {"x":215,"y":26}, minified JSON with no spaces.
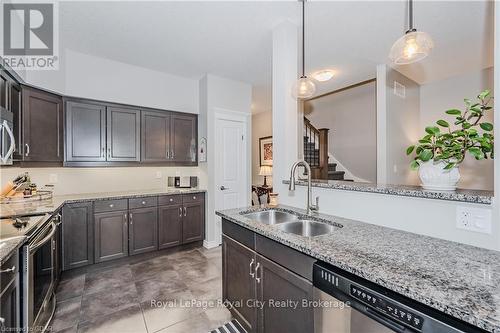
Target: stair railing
{"x":317,"y":139}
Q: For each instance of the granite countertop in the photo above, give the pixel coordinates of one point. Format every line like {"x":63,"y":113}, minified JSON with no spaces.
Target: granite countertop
{"x":460,"y":280}
{"x":54,"y":204}
{"x":462,"y":195}
{"x":9,"y":245}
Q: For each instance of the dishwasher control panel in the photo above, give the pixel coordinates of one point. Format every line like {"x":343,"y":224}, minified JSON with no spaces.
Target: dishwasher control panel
{"x":401,"y":314}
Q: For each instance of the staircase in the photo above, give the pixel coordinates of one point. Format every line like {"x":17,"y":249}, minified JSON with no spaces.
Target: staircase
{"x":316,"y":153}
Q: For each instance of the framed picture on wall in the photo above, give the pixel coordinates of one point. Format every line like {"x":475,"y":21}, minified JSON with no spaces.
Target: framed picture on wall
{"x":266,"y":150}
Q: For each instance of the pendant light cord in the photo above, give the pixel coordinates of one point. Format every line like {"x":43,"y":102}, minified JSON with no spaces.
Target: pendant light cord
{"x":303,"y":39}
{"x":410,"y":16}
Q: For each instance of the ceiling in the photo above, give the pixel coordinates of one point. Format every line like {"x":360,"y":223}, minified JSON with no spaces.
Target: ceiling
{"x":233,"y":39}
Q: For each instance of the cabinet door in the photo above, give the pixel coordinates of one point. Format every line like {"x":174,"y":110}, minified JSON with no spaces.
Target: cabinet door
{"x":15,"y":107}
{"x":169,"y":226}
{"x":238,"y":282}
{"x":155,"y":131}
{"x":143,"y":230}
{"x":111,"y":235}
{"x":183,"y":138}
{"x":42,"y":126}
{"x":4,"y":90}
{"x":77,"y":235}
{"x":123,"y":139}
{"x":9,"y":308}
{"x":85,"y":132}
{"x":193,"y":222}
{"x":276,"y":283}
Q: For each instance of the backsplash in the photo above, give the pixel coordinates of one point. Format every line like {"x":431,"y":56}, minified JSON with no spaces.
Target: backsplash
{"x":91,"y":180}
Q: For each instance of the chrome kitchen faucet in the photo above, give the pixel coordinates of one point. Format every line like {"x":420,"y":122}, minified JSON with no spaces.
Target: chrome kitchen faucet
{"x":309,"y":207}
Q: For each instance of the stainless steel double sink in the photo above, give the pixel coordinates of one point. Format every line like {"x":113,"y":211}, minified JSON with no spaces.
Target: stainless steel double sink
{"x":291,"y":223}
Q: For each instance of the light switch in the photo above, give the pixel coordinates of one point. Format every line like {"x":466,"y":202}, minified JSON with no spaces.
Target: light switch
{"x":158,"y":174}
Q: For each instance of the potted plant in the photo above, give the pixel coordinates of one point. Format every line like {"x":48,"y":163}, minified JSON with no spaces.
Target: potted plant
{"x":439,"y":153}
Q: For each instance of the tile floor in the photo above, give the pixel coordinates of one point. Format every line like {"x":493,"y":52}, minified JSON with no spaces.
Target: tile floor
{"x":120,"y":297}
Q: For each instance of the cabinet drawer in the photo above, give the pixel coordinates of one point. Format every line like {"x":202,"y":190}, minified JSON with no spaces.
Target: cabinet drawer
{"x":110,"y":205}
{"x":194,"y":197}
{"x":142,"y":202}
{"x":6,"y":277}
{"x":166,"y":200}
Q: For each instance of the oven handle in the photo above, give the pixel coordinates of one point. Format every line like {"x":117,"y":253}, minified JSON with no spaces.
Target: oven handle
{"x":33,"y":247}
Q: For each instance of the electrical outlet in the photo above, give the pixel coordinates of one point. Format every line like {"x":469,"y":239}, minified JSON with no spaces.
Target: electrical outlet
{"x":158,"y":174}
{"x":53,"y":178}
{"x":474,"y":219}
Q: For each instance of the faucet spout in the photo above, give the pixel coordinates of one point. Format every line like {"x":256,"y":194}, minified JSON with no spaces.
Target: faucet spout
{"x":291,"y":187}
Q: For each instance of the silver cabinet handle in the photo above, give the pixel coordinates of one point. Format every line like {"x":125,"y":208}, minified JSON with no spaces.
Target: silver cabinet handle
{"x":125,"y":219}
{"x":103,"y":153}
{"x":180,"y":211}
{"x":131,"y":220}
{"x":27,"y":146}
{"x":185,"y":211}
{"x":12,"y":147}
{"x":109,"y":152}
{"x":194,"y":197}
{"x":252,"y":274}
{"x":111,"y":205}
{"x":2,"y":321}
{"x":172,"y":154}
{"x":144,"y":202}
{"x":8,"y":270}
{"x":257,"y":278}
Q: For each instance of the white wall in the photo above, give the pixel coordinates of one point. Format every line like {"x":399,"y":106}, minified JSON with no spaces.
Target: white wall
{"x":350,"y":115}
{"x":435,"y":218}
{"x":402,"y":128}
{"x":87,"y":76}
{"x":262,"y":126}
{"x":219,"y":94}
{"x":92,"y":180}
{"x":437,"y":97}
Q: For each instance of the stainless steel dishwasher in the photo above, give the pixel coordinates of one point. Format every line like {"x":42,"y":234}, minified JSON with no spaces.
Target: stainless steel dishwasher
{"x":344,"y":303}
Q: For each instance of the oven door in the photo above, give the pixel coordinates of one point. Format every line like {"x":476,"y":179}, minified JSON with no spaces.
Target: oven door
{"x":40,"y":278}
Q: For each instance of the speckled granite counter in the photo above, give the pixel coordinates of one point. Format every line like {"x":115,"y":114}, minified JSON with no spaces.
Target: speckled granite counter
{"x":50,"y":206}
{"x":471,"y":196}
{"x":460,"y":280}
{"x":9,"y":245}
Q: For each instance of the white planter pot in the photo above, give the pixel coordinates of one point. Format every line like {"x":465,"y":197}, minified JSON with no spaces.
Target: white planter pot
{"x":434,"y":177}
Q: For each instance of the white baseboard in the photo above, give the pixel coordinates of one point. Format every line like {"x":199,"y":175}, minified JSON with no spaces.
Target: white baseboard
{"x":210,"y":244}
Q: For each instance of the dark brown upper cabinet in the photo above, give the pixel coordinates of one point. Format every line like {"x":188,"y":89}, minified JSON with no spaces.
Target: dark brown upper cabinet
{"x":155,"y":141}
{"x":123,"y":134}
{"x":183,"y":138}
{"x":85,"y":132}
{"x":4,"y":91}
{"x":42,"y":126}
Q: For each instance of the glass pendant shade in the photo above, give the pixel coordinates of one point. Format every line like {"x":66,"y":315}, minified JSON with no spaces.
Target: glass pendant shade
{"x":412,"y":47}
{"x":303,"y":88}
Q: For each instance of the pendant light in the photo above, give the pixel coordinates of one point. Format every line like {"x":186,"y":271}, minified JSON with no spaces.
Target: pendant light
{"x":304,"y":87}
{"x":413,"y":46}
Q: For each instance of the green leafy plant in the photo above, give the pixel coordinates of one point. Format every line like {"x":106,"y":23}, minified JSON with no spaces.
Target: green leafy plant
{"x":442,"y":143}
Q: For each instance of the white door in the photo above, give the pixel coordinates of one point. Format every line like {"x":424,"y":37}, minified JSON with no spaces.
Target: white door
{"x":231,"y":166}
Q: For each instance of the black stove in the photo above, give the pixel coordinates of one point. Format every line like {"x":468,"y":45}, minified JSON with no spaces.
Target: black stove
{"x":21,"y":226}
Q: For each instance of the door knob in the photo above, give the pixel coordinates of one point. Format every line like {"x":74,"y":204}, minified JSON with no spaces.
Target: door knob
{"x":223,"y":188}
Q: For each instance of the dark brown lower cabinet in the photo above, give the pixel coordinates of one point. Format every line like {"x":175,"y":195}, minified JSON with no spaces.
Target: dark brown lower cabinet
{"x":249,"y":279}
{"x":193,"y":226}
{"x":77,"y":235}
{"x":239,"y":288}
{"x":111,"y":235}
{"x":169,"y":226}
{"x":277,"y":284}
{"x":9,"y":307}
{"x":143,"y":230}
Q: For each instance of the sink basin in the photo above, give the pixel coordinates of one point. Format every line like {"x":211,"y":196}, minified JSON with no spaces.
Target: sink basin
{"x":307,"y":228}
{"x":272,"y":217}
